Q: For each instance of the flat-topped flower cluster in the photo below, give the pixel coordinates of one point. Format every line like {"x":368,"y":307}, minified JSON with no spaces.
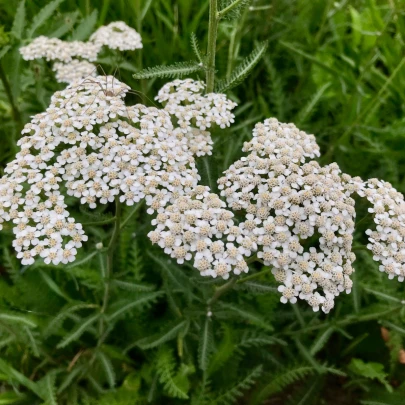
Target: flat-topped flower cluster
{"x":196,"y":112}
{"x":286,"y":199}
{"x":73,"y":58}
{"x":279,"y":205}
{"x":88,"y":144}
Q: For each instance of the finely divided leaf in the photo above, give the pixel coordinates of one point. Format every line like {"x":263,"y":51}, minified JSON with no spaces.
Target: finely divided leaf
{"x":196,"y":48}
{"x":78,"y":331}
{"x":165,"y":336}
{"x":205,"y":344}
{"x":243,"y":70}
{"x":178,"y":69}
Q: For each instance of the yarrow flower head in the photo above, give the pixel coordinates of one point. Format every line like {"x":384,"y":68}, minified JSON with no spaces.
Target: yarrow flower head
{"x":117,"y":35}
{"x":196,"y":112}
{"x":287,"y":198}
{"x":97,"y":149}
{"x":198,"y":227}
{"x":74,"y":71}
{"x":55,"y":49}
{"x":73,"y":57}
{"x":387,"y":240}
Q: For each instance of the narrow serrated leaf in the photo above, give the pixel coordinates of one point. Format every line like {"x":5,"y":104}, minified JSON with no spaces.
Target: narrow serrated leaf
{"x":15,"y":375}
{"x":196,"y":48}
{"x":249,"y":316}
{"x":44,"y":14}
{"x":168,"y":334}
{"x":133,"y":304}
{"x":321,"y":340}
{"x":126,"y":285}
{"x":19,"y":21}
{"x":205,"y":344}
{"x":243,"y":70}
{"x":108,"y":368}
{"x":78,"y":331}
{"x":86,"y":27}
{"x":178,"y":69}
{"x":18,"y":318}
{"x":53,"y":286}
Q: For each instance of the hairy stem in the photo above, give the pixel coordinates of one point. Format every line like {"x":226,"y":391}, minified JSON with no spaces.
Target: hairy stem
{"x":212,"y":43}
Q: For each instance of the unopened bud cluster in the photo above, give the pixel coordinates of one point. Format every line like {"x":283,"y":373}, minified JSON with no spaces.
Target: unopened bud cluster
{"x":73,"y":58}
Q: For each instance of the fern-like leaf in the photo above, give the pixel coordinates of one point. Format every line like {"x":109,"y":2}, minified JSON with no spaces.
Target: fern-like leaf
{"x":165,"y":336}
{"x":123,"y":306}
{"x":230,"y":396}
{"x":108,"y":368}
{"x":243,"y":70}
{"x":48,"y":388}
{"x":205,"y":344}
{"x":231,"y":9}
{"x":178,"y":69}
{"x":166,"y":371}
{"x":78,"y":331}
{"x":196,"y":48}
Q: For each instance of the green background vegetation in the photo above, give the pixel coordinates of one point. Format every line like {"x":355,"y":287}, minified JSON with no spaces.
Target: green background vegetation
{"x":335,"y":69}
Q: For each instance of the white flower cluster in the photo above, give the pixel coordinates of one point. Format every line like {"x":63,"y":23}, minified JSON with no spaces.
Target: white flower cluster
{"x":193,"y":228}
{"x":195,"y":112}
{"x":387,"y":241}
{"x":89,"y":143}
{"x":74,"y":71}
{"x":55,"y":49}
{"x":74,"y":57}
{"x":287,"y":201}
{"x":117,"y":35}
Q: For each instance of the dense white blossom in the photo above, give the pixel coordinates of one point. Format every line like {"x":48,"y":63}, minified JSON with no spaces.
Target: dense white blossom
{"x":97,"y":149}
{"x":74,"y":71}
{"x":55,"y":49}
{"x":287,"y":201}
{"x":198,"y":227}
{"x":196,"y":112}
{"x":117,"y":35}
{"x":387,"y":240}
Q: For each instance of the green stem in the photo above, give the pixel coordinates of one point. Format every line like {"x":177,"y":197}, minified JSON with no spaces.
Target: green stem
{"x":253,"y":276}
{"x":131,"y":214}
{"x":212,"y":42}
{"x":220,"y":291}
{"x":105,"y":222}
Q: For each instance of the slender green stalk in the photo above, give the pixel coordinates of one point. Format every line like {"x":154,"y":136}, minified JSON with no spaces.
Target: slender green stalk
{"x":105,"y":222}
{"x":220,"y":291}
{"x":212,"y":43}
{"x":253,"y":276}
{"x":131,"y":214}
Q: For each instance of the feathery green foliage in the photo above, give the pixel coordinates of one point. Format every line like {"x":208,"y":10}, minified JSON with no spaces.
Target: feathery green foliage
{"x":337,"y":70}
